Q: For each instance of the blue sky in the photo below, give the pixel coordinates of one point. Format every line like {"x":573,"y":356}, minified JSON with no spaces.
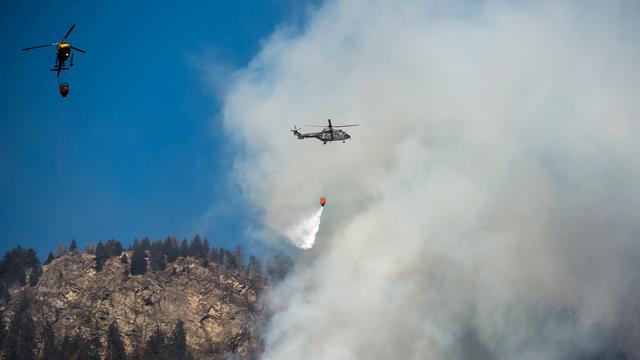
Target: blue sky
{"x":134,"y":149}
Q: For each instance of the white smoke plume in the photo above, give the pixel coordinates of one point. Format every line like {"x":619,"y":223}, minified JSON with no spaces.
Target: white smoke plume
{"x":303,"y":232}
{"x":486,"y":208}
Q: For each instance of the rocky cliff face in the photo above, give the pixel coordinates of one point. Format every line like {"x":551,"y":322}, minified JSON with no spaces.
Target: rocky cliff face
{"x":220,"y":308}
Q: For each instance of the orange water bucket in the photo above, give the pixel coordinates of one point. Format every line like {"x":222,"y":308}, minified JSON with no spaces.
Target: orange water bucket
{"x":64,"y":90}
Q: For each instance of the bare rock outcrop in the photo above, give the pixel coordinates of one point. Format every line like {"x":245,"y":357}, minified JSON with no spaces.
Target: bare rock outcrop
{"x":220,"y":308}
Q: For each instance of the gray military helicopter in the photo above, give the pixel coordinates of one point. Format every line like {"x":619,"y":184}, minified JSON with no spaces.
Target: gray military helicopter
{"x":327,"y":134}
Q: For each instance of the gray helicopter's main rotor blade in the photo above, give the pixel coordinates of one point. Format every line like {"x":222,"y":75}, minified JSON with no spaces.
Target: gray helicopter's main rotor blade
{"x":335,"y":126}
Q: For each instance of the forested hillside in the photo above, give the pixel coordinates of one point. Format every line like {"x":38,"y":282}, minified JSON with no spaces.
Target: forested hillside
{"x":165,"y":299}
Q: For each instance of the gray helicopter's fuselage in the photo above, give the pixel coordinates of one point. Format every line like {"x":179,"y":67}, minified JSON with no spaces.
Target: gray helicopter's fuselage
{"x":325,"y":135}
{"x":329,"y":133}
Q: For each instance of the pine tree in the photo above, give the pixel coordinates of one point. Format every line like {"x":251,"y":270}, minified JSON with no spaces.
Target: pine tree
{"x":73,"y":246}
{"x":213,"y":255}
{"x":255,"y":267}
{"x":93,"y":351}
{"x":135,"y":244}
{"x":155,"y":348}
{"x":228,"y":259}
{"x":113,"y":247}
{"x":70,"y":347}
{"x":170,"y":249}
{"x":205,"y":248}
{"x":238,"y":254}
{"x":145,"y":244}
{"x":61,"y":250}
{"x":196,"y":249}
{"x":115,"y":346}
{"x":138,"y":262}
{"x":224,"y":258}
{"x":278,"y":266}
{"x":137,"y":340}
{"x":36,"y":271}
{"x":15,"y":264}
{"x":4,"y":292}
{"x":137,"y":355}
{"x":90,"y":249}
{"x":31,"y":259}
{"x":20,"y":341}
{"x":178,"y":345}
{"x":85,"y":349}
{"x":101,"y":256}
{"x":3,"y":330}
{"x":50,"y":349}
{"x":158,"y":262}
{"x":66,"y":346}
{"x":184,"y":248}
{"x":50,"y":258}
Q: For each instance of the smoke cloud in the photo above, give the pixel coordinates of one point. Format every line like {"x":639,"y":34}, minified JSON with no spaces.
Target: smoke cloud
{"x":486,"y":208}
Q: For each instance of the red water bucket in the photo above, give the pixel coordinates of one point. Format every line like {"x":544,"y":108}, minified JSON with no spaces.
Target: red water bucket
{"x":64,"y":90}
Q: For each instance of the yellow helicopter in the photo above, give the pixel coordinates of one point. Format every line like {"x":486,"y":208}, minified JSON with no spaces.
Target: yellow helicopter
{"x":63,"y":52}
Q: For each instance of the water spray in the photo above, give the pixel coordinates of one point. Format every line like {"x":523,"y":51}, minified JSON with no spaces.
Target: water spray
{"x":302,"y":234}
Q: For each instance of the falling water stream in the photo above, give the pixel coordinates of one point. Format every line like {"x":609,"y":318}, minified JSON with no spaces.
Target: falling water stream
{"x":303,"y":233}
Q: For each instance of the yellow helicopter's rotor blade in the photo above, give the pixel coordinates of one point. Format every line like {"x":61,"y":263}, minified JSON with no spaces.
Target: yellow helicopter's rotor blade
{"x":68,"y":32}
{"x":39,"y":46}
{"x":77,"y":49}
